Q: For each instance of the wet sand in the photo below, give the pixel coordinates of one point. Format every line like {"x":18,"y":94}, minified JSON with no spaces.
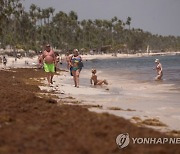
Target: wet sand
{"x":135,"y":99}
{"x":30,"y":124}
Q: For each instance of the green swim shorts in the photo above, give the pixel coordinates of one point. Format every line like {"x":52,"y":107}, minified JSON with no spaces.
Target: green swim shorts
{"x":49,"y":68}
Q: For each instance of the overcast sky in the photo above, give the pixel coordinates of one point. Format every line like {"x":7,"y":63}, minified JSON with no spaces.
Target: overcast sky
{"x":156,"y":16}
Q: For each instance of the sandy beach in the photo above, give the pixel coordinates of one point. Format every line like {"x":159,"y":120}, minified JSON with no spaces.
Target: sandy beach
{"x":148,"y":105}
{"x":89,"y":77}
{"x":36,"y":118}
{"x":32,"y":121}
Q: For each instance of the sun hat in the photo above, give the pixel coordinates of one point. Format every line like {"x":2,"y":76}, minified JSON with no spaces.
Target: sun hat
{"x":156,"y":61}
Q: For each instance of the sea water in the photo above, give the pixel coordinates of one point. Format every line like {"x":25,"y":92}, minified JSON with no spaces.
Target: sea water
{"x":132,"y":86}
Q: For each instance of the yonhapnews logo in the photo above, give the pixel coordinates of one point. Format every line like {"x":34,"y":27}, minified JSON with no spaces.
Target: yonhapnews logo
{"x":123,"y":140}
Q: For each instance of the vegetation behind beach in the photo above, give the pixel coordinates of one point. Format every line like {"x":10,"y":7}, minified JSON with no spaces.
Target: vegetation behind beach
{"x":29,"y":30}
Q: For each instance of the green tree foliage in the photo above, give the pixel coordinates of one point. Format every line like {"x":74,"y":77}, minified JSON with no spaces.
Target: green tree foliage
{"x":32,"y":29}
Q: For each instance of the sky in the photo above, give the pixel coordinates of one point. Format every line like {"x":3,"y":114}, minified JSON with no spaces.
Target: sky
{"x":156,"y":16}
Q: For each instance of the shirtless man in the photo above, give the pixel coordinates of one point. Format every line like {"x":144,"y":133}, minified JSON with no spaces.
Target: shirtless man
{"x":95,"y":80}
{"x":159,"y":70}
{"x":49,"y":63}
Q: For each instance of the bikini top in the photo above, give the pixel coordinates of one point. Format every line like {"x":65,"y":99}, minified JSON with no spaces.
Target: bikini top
{"x":76,"y":59}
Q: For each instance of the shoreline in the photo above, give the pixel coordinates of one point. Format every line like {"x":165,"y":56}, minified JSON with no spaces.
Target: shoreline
{"x":33,"y":61}
{"x":34,"y":123}
{"x":107,"y":56}
{"x":99,"y":99}
{"x":87,"y":91}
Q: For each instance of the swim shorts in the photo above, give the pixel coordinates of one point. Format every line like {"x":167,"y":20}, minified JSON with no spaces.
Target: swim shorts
{"x":49,"y":68}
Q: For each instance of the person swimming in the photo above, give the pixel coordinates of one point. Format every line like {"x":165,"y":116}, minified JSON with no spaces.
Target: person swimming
{"x":159,"y":70}
{"x":94,"y":79}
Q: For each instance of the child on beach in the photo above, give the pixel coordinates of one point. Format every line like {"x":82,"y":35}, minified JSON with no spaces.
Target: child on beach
{"x":95,"y":80}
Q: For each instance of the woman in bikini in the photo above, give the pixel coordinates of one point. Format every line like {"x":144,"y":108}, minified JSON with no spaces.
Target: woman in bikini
{"x":75,"y":61}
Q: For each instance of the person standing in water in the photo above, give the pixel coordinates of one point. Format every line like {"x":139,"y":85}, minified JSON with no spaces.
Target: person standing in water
{"x":75,"y":63}
{"x":49,"y":59}
{"x":159,"y":70}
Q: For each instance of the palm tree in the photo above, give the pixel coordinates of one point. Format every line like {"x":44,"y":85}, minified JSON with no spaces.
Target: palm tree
{"x":73,"y":15}
{"x":51,"y":29}
{"x":128,"y":22}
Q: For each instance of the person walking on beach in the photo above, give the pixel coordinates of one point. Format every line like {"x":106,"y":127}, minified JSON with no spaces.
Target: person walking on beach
{"x":49,"y":63}
{"x":40,"y":60}
{"x":68,"y":59}
{"x":4,"y":60}
{"x":94,"y":79}
{"x":76,"y":64}
{"x":57,"y":61}
{"x":159,"y":70}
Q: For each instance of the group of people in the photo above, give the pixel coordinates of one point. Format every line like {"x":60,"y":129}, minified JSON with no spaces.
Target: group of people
{"x":49,"y":61}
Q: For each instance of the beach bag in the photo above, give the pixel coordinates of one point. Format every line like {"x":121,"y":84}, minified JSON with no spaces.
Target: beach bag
{"x":71,"y":71}
{"x":80,"y":64}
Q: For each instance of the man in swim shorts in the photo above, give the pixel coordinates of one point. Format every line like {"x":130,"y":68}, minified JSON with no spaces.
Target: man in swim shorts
{"x":49,"y":63}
